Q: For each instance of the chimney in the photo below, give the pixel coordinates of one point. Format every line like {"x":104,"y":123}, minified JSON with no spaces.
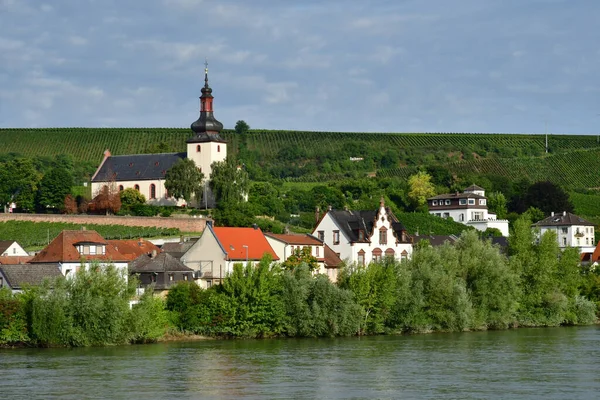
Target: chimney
{"x":181,"y":239}
{"x":552,"y":214}
{"x":140,"y":242}
{"x":345,"y":207}
{"x":564,"y":213}
{"x":255,"y":226}
{"x":107,"y":153}
{"x":153,"y":253}
{"x":329,"y":208}
{"x":317,"y":214}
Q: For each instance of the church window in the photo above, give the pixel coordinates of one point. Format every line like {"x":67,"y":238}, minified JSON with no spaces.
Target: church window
{"x":377,"y":255}
{"x":383,"y":236}
{"x":153,"y":191}
{"x":137,"y":187}
{"x":120,"y":188}
{"x":218,"y":148}
{"x":198,"y":149}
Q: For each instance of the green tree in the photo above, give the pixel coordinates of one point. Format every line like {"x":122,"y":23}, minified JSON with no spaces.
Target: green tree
{"x":184,"y":180}
{"x":53,"y":188}
{"x":497,"y":204}
{"x":420,"y":188}
{"x":229,"y":182}
{"x":19,"y":181}
{"x":131,"y":198}
{"x":299,"y":257}
{"x":241,"y":127}
{"x":548,"y":197}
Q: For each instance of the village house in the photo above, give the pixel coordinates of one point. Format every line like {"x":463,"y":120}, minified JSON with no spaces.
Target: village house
{"x":571,"y":231}
{"x":362,"y":237}
{"x":284,"y":245}
{"x":12,"y":252}
{"x":17,"y":277}
{"x":469,"y":208}
{"x":72,"y":249}
{"x":133,"y":248}
{"x":161,"y":270}
{"x":212,"y":257}
{"x":146,"y":172}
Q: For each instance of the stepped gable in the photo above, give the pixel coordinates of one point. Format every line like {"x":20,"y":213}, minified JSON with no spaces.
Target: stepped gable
{"x":20,"y":275}
{"x":136,"y":167}
{"x":351,"y":222}
{"x":206,"y":127}
{"x":566,"y":218}
{"x":62,"y":248}
{"x":132,"y":249}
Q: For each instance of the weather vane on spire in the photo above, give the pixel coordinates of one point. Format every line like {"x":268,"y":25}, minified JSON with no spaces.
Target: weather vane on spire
{"x":205,"y":66}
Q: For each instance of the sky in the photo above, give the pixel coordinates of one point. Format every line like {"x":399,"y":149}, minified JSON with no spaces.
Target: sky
{"x":501,"y":66}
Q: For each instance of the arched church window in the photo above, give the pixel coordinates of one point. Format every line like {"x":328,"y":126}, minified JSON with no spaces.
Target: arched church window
{"x":152,"y":191}
{"x":137,"y":187}
{"x":377,"y":254}
{"x":198,"y":148}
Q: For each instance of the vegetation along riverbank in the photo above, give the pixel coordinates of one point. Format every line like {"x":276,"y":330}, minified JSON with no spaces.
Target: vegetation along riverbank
{"x":468,"y":286}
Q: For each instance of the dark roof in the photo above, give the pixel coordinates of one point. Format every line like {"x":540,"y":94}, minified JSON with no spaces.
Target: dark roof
{"x":351,"y":222}
{"x":137,"y":167}
{"x":474,"y":187}
{"x":500,"y":241}
{"x":163,"y":262}
{"x":435,"y":240}
{"x":565,"y":219}
{"x":205,"y":136}
{"x":295,"y":238}
{"x":178,"y":249}
{"x":457,"y":196}
{"x":5,"y":244}
{"x":20,"y":275}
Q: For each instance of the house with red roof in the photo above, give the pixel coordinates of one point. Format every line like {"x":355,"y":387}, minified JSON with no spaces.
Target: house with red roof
{"x":212,"y":257}
{"x":133,"y":248}
{"x":284,"y":245}
{"x":71,"y":250}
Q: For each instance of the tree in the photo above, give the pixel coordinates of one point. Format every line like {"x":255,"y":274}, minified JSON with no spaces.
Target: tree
{"x":54,"y":187}
{"x":299,"y":257}
{"x":241,"y":127}
{"x":229,"y":182}
{"x":548,"y":197}
{"x":70,"y":205}
{"x":18,"y":183}
{"x":106,"y":201}
{"x":497,"y":204}
{"x":184,"y":180}
{"x":420,"y":188}
{"x":131,"y":197}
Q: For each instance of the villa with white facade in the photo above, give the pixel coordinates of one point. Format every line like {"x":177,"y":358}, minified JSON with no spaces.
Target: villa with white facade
{"x":571,"y":231}
{"x":469,"y":208}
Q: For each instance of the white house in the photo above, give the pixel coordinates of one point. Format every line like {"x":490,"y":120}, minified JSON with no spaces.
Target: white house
{"x":284,"y":245}
{"x":469,"y":208}
{"x":212,"y":257}
{"x":10,"y":248}
{"x":146,"y":172}
{"x":364,"y":236}
{"x":71,"y":250}
{"x":571,"y":231}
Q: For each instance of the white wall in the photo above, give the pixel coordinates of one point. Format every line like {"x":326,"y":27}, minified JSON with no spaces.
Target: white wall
{"x":209,"y":152}
{"x":15,"y":250}
{"x":144,"y":189}
{"x":568,"y":239}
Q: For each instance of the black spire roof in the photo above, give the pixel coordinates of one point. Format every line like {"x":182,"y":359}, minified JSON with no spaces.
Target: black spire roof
{"x":206,"y":127}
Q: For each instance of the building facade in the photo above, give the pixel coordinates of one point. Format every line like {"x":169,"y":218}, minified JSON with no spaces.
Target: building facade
{"x":571,"y":231}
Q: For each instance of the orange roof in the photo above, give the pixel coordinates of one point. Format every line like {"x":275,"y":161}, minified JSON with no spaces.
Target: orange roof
{"x":296,"y":239}
{"x":13,"y":260}
{"x":62,"y":248}
{"x":134,"y":248}
{"x":233,"y":240}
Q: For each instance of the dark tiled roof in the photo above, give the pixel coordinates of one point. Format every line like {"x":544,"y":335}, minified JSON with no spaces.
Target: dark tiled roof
{"x":20,"y":275}
{"x":5,"y":244}
{"x":456,"y":196}
{"x":474,"y":187}
{"x":563,"y":220}
{"x":137,"y":167}
{"x":178,"y":249}
{"x":351,"y":222}
{"x":163,"y":262}
{"x":435,"y":240}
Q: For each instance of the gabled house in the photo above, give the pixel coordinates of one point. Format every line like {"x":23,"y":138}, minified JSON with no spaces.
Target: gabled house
{"x":132,"y":249}
{"x":212,"y":257}
{"x":16,"y":277}
{"x":364,"y":236}
{"x":160,"y":269}
{"x":72,"y":249}
{"x":178,"y":249}
{"x":469,"y":208}
{"x":10,"y":248}
{"x":571,"y":231}
{"x":284,"y":245}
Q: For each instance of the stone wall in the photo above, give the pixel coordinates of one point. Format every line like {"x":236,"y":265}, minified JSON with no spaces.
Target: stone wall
{"x":184,"y":224}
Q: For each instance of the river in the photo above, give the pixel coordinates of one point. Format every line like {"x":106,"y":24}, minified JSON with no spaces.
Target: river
{"x":548,"y":363}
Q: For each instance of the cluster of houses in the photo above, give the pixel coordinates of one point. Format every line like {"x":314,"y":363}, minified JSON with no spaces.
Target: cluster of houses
{"x":339,"y":236}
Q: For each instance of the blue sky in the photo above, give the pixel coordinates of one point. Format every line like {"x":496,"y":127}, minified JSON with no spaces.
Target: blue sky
{"x":335,"y":65}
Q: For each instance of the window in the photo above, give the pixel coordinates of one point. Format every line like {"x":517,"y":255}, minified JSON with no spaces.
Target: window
{"x":153,"y":191}
{"x":92,"y":250}
{"x":446,"y":215}
{"x":482,"y":202}
{"x":14,"y":250}
{"x":438,"y":214}
{"x":587,"y":240}
{"x":171,"y":277}
{"x":462,"y":202}
{"x":336,"y":237}
{"x":434,"y":203}
{"x":564,"y":241}
{"x":86,"y":250}
{"x":218,"y":148}
{"x":198,"y":149}
{"x":208,"y":284}
{"x":137,"y":187}
{"x":390,"y":253}
{"x":120,"y":188}
{"x":472,"y":201}
{"x":448,"y":202}
{"x":317,"y":251}
{"x":99,"y":249}
{"x":361,"y":257}
{"x":461,"y":217}
{"x":565,"y":230}
{"x":1,"y":282}
{"x":361,"y":235}
{"x":383,"y":236}
{"x":476,"y":216}
{"x":185,"y":277}
{"x":404,"y":255}
{"x":377,"y":255}
{"x":321,"y":235}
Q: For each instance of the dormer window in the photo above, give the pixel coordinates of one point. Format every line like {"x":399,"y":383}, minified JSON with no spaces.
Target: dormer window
{"x":361,"y":235}
{"x":434,"y":203}
{"x":462,"y":202}
{"x":472,"y":201}
{"x":448,"y":202}
{"x":482,"y":202}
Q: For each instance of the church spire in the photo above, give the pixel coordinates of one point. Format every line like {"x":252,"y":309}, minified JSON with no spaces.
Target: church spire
{"x":206,"y":127}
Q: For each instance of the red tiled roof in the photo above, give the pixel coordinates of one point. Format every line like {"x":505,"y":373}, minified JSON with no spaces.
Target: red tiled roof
{"x":332,"y":260}
{"x":134,"y":248}
{"x":13,"y":260}
{"x":62,"y":248}
{"x":296,"y":239}
{"x":233,"y":241}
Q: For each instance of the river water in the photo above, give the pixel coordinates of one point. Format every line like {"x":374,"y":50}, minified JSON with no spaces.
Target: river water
{"x":550,"y":363}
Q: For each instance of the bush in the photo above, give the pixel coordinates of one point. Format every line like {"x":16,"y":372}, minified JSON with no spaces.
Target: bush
{"x":149,"y":318}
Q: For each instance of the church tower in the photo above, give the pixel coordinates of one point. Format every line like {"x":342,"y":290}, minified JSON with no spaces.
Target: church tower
{"x":207,"y":145}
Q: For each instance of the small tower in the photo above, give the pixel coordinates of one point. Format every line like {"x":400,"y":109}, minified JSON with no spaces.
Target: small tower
{"x":207,"y":145}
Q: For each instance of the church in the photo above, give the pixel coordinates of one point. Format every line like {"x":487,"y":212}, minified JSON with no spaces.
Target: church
{"x":146,"y":172}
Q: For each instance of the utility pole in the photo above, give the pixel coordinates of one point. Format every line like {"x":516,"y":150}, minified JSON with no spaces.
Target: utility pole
{"x":546,"y":128}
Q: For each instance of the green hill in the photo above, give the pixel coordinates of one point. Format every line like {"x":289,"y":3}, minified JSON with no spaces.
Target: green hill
{"x":322,"y":156}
